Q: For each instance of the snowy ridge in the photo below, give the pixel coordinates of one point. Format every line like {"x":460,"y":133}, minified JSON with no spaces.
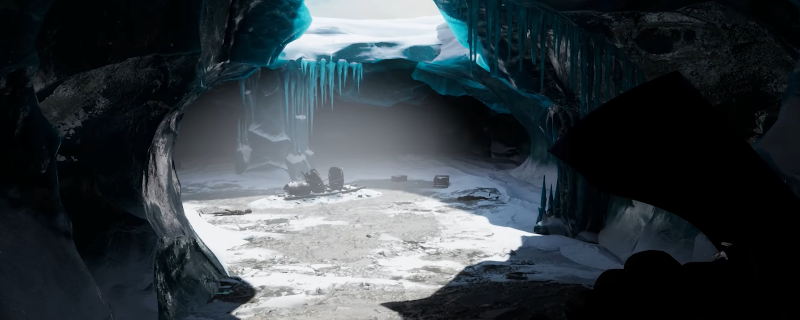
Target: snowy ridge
{"x":364,"y":40}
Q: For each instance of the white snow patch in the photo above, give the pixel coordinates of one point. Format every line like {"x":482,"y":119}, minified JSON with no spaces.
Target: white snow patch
{"x":297,"y":225}
{"x":309,"y":282}
{"x":252,"y":254}
{"x":295,"y":269}
{"x":327,"y":36}
{"x":218,"y":240}
{"x":388,"y":237}
{"x":295,"y":158}
{"x":415,"y":262}
{"x":290,"y":301}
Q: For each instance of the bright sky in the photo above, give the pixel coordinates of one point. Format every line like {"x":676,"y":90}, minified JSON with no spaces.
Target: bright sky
{"x":371,"y":9}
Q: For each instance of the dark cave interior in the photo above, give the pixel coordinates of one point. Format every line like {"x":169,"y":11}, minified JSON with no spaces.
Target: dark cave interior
{"x":94,"y":93}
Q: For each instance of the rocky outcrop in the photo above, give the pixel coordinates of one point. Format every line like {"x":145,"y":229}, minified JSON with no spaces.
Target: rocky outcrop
{"x":96,"y":229}
{"x":738,"y":64}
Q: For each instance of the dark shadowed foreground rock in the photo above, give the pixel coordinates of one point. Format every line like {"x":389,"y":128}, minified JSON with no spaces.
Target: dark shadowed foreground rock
{"x":737,"y":64}
{"x":184,"y":274}
{"x":114,"y":79}
{"x":45,"y":276}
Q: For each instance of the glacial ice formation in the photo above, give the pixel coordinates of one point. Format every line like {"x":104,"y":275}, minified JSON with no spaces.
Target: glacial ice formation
{"x":316,"y":66}
{"x":596,"y":70}
{"x":365,"y":41}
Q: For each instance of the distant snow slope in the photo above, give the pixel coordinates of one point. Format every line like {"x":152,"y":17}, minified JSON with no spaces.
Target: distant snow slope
{"x":420,"y":39}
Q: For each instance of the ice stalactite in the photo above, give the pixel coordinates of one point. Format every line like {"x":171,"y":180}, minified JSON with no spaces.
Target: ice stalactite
{"x":597,"y":71}
{"x":308,"y":85}
{"x":247,"y":86}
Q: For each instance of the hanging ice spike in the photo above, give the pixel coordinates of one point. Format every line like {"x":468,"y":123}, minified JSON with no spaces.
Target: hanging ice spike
{"x":591,"y":62}
{"x":309,"y":84}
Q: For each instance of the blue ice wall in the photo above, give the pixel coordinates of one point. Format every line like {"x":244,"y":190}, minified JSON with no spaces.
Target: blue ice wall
{"x":596,"y":71}
{"x":309,"y":85}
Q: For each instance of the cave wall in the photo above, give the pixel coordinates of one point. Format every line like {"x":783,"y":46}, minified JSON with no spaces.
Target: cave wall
{"x":96,"y":230}
{"x":736,"y":55}
{"x":39,"y":259}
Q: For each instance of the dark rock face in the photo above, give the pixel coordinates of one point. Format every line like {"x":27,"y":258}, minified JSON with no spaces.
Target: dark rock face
{"x":737,"y":64}
{"x":736,"y":56}
{"x":184,"y":274}
{"x":95,"y":229}
{"x":38,"y":256}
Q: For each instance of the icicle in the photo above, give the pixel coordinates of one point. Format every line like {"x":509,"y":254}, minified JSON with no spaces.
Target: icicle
{"x":509,"y":28}
{"x":286,"y":99}
{"x":535,"y":23}
{"x":473,"y":10}
{"x":490,"y":34}
{"x":292,"y":86}
{"x":497,"y":33}
{"x":339,"y":69}
{"x":330,"y":69}
{"x":584,"y":56}
{"x":360,"y":76}
{"x":322,"y":81}
{"x":345,"y":66}
{"x":522,"y":34}
{"x":570,"y":56}
{"x":543,"y":50}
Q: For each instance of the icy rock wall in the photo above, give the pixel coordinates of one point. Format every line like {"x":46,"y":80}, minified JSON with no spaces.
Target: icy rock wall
{"x":501,"y":35}
{"x":310,"y":84}
{"x":542,"y":56}
{"x":558,"y":43}
{"x":39,"y":258}
{"x":97,"y":230}
{"x":780,"y":146}
{"x":306,"y":85}
{"x":633,"y":226}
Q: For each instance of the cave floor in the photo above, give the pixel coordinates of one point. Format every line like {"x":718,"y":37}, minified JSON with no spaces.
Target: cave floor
{"x":390,"y":251}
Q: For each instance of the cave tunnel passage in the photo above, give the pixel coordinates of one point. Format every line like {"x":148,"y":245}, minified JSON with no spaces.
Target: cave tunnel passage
{"x":352,"y":130}
{"x":310,"y":255}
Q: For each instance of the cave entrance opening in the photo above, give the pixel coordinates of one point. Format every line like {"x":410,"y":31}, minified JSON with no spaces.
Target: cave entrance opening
{"x":389,"y":116}
{"x":388,"y":125}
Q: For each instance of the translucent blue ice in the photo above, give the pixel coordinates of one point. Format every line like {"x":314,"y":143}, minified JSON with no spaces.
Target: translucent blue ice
{"x":310,"y":84}
{"x":590,"y":62}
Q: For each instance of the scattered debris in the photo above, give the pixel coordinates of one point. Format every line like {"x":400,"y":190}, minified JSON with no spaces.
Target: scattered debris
{"x":210,"y":210}
{"x":217,"y":211}
{"x":227,"y":212}
{"x":441,"y":181}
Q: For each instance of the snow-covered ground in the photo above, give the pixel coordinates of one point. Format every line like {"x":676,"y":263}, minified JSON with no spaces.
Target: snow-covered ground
{"x":343,"y":257}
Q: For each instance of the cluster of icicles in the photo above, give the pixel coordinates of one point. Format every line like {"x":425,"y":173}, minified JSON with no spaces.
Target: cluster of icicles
{"x":597,"y":70}
{"x":309,"y":84}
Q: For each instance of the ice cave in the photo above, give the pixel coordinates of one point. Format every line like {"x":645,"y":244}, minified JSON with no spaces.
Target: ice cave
{"x":416,"y":159}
